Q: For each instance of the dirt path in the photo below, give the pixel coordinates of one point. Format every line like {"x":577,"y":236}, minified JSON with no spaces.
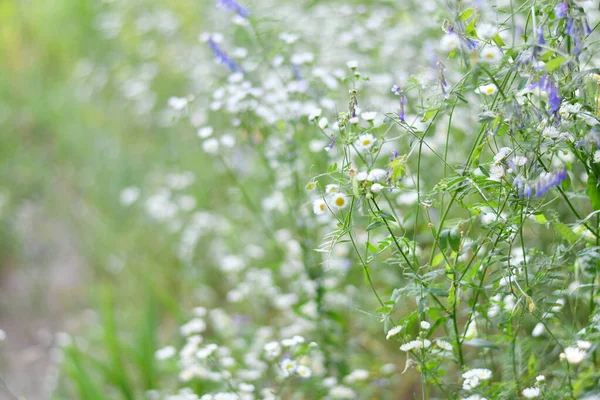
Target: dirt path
{"x":42,"y":293}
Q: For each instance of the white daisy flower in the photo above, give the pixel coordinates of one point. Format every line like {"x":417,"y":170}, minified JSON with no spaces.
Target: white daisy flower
{"x":486,"y":31}
{"x":449,"y":42}
{"x":487,"y":90}
{"x":340,"y":201}
{"x":288,"y":366}
{"x":365,"y":141}
{"x":211,"y":146}
{"x":303,"y":371}
{"x":491,"y":54}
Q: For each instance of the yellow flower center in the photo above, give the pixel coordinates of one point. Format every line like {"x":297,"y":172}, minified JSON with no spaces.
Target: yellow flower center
{"x":322,"y":207}
{"x":490,"y":90}
{"x":366,"y":142}
{"x":340,"y":201}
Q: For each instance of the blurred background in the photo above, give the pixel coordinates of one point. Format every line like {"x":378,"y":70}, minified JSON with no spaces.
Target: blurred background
{"x":80,"y":83}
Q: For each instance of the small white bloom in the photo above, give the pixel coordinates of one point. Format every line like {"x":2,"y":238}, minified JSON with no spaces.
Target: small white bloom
{"x":497,"y":172}
{"x":362,"y":176}
{"x":449,"y":42}
{"x":416,"y":344}
{"x":205,"y":132}
{"x":228,"y":141}
{"x":319,"y":206}
{"x":369,"y":116}
{"x":288,"y":366}
{"x":129,"y":195}
{"x":376,"y":188}
{"x":332,"y":188}
{"x":425,"y":325}
{"x":303,"y":371}
{"x":178,"y":103}
{"x":502,"y":154}
{"x":482,"y":374}
{"x":574,"y":355}
{"x":393,"y":332}
{"x":491,"y":55}
{"x":519,"y":161}
{"x":357,"y":376}
{"x":538,"y":330}
{"x":211,"y":146}
{"x":323,"y":122}
{"x":584,"y":344}
{"x":444,"y":345}
{"x":196,"y":325}
{"x":340,"y":201}
{"x":376,"y":174}
{"x":314,"y":114}
{"x":352,"y":64}
{"x":486,"y":30}
{"x":540,"y":378}
{"x":531,"y":392}
{"x":597,"y":156}
{"x":165,"y":353}
{"x":289,"y":38}
{"x":365,"y":141}
{"x":487,"y":90}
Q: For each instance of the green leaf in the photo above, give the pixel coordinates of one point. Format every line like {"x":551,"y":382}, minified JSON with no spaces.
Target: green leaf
{"x":498,"y":40}
{"x":454,"y":240}
{"x":593,"y":192}
{"x":372,"y":248}
{"x":465,"y":14}
{"x":443,"y":239}
{"x":555,"y":63}
{"x":540,"y":218}
{"x":373,"y":225}
{"x":565,"y":232}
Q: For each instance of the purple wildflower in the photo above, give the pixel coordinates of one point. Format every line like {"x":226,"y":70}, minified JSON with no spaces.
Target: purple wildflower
{"x":403,"y":101}
{"x":561,"y":10}
{"x":296,"y":70}
{"x":442,"y":79}
{"x":331,"y":143}
{"x":232,"y":5}
{"x":546,"y":84}
{"x":548,"y":180}
{"x":541,"y":185}
{"x":222,"y":57}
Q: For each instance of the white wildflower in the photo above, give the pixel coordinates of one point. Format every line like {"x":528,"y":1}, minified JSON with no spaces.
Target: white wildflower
{"x":365,"y":141}
{"x":393,"y":332}
{"x":487,"y":90}
{"x":531,"y":392}
{"x":340,"y":201}
{"x":574,"y":355}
